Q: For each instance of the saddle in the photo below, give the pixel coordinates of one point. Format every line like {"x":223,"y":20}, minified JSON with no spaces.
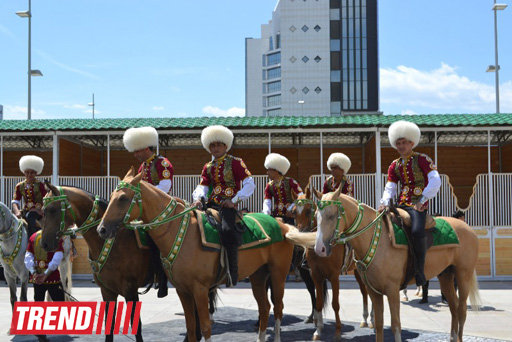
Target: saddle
{"x":213,"y":213}
{"x":406,"y":219}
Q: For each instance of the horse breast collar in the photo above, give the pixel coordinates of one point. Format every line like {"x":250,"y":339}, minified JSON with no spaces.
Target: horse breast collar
{"x":9,"y":259}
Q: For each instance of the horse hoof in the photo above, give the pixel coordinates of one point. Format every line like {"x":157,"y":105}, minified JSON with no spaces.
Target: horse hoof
{"x":316,"y":337}
{"x":405,"y":299}
{"x":309,"y":319}
{"x":363,"y":325}
{"x":337,"y":338}
{"x":370,"y":325}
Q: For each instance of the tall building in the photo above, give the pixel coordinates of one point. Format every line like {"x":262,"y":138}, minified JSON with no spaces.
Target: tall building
{"x":315,"y":57}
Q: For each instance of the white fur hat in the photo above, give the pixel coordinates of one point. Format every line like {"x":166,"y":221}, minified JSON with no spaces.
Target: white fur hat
{"x":404,"y":129}
{"x":277,"y":162}
{"x":216,"y":133}
{"x":31,"y":163}
{"x":339,"y":159}
{"x":135,"y":139}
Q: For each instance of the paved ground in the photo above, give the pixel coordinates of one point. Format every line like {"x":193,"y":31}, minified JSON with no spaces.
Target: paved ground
{"x":163,"y":318}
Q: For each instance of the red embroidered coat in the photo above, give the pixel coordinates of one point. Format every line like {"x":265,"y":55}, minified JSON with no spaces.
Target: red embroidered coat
{"x":330,"y":185}
{"x":42,"y":258}
{"x":281,"y":192}
{"x":32,"y":194}
{"x":155,"y":169}
{"x":223,"y":176}
{"x":412,"y":173}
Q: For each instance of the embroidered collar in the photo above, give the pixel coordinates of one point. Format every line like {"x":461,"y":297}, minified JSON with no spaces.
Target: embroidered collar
{"x":150,"y":159}
{"x":221,"y":159}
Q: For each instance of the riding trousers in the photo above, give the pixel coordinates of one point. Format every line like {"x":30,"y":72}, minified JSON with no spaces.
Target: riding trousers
{"x":229,"y":234}
{"x":417,"y":221}
{"x":32,"y":217}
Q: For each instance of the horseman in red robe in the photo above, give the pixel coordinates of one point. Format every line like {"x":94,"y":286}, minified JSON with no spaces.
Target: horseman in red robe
{"x":339,"y":164}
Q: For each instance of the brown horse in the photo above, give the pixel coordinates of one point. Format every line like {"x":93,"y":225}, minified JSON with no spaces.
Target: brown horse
{"x":195,"y":270}
{"x":126,"y":267}
{"x":326,"y":268}
{"x":382,"y":266}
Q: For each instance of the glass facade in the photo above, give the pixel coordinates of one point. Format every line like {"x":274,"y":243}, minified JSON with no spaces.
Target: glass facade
{"x":272,"y":73}
{"x":273,"y":59}
{"x":353,"y":42}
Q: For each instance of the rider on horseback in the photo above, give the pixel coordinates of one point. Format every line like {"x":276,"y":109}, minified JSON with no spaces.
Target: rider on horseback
{"x":280,"y":188}
{"x":339,"y":164}
{"x":420,"y":182}
{"x":32,"y":191}
{"x":155,"y":169}
{"x":220,"y":184}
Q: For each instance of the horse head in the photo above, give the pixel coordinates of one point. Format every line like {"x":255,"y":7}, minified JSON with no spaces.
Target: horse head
{"x":7,"y":218}
{"x":125,"y":205}
{"x":304,"y":209}
{"x":328,"y":216}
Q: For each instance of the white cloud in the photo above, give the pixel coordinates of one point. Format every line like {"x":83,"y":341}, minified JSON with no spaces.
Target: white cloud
{"x":408,"y":112}
{"x":216,"y":111}
{"x":20,"y":112}
{"x":440,"y":90}
{"x":65,"y":66}
{"x":158,"y":108}
{"x":75,"y":106}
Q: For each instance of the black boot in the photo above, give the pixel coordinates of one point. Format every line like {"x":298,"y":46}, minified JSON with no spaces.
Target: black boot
{"x":232,"y":252}
{"x":162,"y":284}
{"x":420,"y":249}
{"x":42,"y":338}
{"x":424,"y":289}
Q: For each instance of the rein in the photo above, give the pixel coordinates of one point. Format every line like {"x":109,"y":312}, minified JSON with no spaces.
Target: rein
{"x":162,"y":218}
{"x":352,"y":232}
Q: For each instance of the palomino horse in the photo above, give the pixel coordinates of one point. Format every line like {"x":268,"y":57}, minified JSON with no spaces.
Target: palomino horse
{"x":13,"y":244}
{"x":191,"y":268}
{"x":382,"y":266}
{"x":119,"y":266}
{"x":326,"y":268}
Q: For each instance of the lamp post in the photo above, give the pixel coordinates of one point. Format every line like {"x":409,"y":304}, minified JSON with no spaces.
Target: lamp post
{"x":30,"y":72}
{"x":91,"y":104}
{"x":301,"y":102}
{"x":496,"y":67}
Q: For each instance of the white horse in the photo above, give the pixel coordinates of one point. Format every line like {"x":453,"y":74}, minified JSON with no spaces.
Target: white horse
{"x":13,"y":244}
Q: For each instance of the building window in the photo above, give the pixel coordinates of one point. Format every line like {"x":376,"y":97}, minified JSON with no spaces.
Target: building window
{"x":274,"y":112}
{"x":318,"y":59}
{"x":335,"y":76}
{"x":272,"y":87}
{"x":335,"y":107}
{"x":274,"y":100}
{"x":318,"y":90}
{"x":271,"y":44}
{"x":305,"y":90}
{"x":273,"y":73}
{"x":335,"y":45}
{"x":274,"y":59}
{"x":317,"y":28}
{"x":305,"y":59}
{"x":305,"y":28}
{"x":334,"y":14}
{"x":278,"y":41}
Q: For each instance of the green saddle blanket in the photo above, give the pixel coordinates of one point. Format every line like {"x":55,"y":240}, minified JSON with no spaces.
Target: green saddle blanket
{"x":443,"y":234}
{"x":261,"y":230}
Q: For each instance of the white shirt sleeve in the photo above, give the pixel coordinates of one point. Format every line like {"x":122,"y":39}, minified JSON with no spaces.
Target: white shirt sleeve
{"x":165,"y":185}
{"x":201,"y":191}
{"x":29,"y":262}
{"x":389,"y":193}
{"x":267,"y":206}
{"x":17,"y":202}
{"x":246,"y":191}
{"x":434,"y":183}
{"x":57,"y":258}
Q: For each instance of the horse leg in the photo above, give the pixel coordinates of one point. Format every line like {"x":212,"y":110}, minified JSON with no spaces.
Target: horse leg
{"x":446,"y":282}
{"x":319,"y":280}
{"x":378,"y":309}
{"x":364,"y":294}
{"x":464,"y":278}
{"x":310,"y":285}
{"x":24,"y":288}
{"x":134,"y":298}
{"x":394,"y":308}
{"x":201,"y":304}
{"x":12,"y":289}
{"x":110,"y":298}
{"x":259,"y":291}
{"x":187,"y":301}
{"x":278,"y":279}
{"x":335,"y":287}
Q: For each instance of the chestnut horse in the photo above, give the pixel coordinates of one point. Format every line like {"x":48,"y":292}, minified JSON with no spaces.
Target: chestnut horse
{"x":191,"y":268}
{"x":126,"y":267}
{"x":326,"y":268}
{"x":382,"y":266}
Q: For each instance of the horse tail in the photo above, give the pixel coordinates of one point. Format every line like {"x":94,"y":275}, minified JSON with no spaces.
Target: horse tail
{"x":474,"y":293}
{"x":305,"y":240}
{"x":325,"y":294}
{"x":212,"y":300}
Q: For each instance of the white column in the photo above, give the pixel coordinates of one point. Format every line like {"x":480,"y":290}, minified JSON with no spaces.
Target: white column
{"x":378,"y":169}
{"x":269,"y":142}
{"x":435,"y":148}
{"x":322,"y":176}
{"x":491,"y":205}
{"x":55,"y":173}
{"x":108,"y":155}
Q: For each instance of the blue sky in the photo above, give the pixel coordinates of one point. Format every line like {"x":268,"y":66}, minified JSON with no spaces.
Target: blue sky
{"x":186,"y":58}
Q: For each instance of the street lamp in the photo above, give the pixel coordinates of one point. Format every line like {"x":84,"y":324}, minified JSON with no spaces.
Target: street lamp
{"x":301,"y":102}
{"x":91,"y":104}
{"x":30,"y":72}
{"x":496,"y":67}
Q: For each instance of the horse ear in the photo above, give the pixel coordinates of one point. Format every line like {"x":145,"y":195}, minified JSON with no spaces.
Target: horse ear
{"x":131,"y":172}
{"x":308,"y":191}
{"x":53,"y":189}
{"x":317,"y":193}
{"x":337,"y":192}
{"x":137,"y":178}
